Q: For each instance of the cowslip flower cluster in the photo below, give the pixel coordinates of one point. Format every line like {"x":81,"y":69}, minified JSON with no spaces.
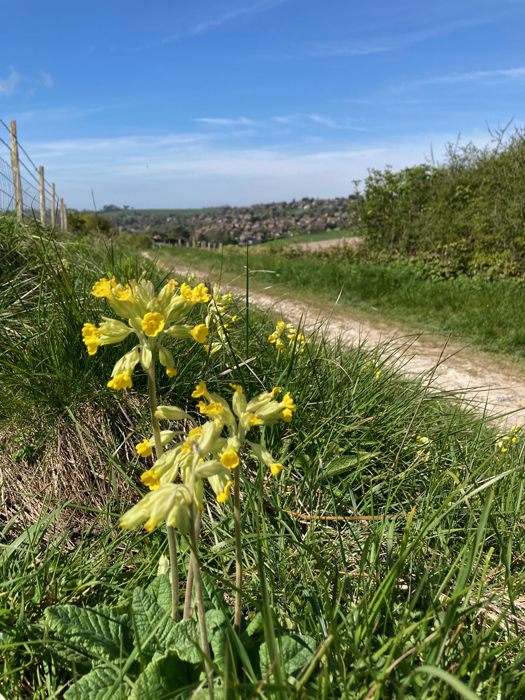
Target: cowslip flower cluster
{"x":205,"y":453}
{"x":286,"y":337}
{"x":218,"y":319}
{"x":150,"y":317}
{"x":505,"y":440}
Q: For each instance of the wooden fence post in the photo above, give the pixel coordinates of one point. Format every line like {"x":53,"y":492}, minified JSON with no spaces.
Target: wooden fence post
{"x":42,"y":194}
{"x":65,"y":217}
{"x":15,"y":166}
{"x":62,"y":222}
{"x":53,"y":208}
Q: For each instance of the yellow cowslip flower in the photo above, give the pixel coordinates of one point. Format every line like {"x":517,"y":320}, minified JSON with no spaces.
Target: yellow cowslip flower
{"x":288,"y":402}
{"x":230,"y":459}
{"x":123,"y":293}
{"x":152,"y":324}
{"x":225,"y":494}
{"x":253,"y":420}
{"x":186,"y":291}
{"x":200,"y":390}
{"x":213,"y":409}
{"x":103,"y":287}
{"x":121,"y":381}
{"x":169,"y":502}
{"x":234,"y":318}
{"x":276,"y":468}
{"x":151,"y":479}
{"x":144,"y":448}
{"x":171,"y":372}
{"x":200,"y":333}
{"x":200,"y":295}
{"x":195,"y":432}
{"x":236,"y":388}
{"x":91,"y":337}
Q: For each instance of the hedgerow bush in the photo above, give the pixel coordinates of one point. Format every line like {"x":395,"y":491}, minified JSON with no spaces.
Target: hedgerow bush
{"x":465,"y":215}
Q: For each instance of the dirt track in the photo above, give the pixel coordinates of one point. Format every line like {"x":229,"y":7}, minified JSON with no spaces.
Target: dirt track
{"x":491,"y":385}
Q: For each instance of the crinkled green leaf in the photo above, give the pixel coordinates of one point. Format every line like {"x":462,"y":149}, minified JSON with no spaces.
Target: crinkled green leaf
{"x":162,"y":679}
{"x":295,"y":651}
{"x":152,"y":625}
{"x":102,"y":683}
{"x":256,"y":625}
{"x":160,"y":590}
{"x":182,"y":639}
{"x":216,"y":628}
{"x":99,"y":631}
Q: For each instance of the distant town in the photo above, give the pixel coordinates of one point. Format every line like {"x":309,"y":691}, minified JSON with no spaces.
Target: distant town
{"x":234,"y":225}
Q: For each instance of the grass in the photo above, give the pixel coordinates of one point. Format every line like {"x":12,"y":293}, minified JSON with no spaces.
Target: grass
{"x":478,"y":311}
{"x":423,"y":602}
{"x":305,"y":238}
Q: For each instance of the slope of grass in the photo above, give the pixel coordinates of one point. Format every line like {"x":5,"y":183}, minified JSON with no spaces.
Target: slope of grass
{"x":480,"y":311}
{"x":305,"y":238}
{"x":421,"y":603}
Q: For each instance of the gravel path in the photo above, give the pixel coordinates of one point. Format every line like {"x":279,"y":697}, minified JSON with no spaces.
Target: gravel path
{"x":490,"y":385}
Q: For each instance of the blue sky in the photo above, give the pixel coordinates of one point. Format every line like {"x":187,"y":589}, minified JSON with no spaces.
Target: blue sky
{"x":171,"y":104}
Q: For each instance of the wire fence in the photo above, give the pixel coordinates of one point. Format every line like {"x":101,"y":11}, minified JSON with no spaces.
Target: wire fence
{"x":24,"y":189}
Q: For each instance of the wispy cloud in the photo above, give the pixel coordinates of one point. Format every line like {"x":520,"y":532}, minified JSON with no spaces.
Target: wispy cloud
{"x":229,"y":16}
{"x":385,"y":43}
{"x":14,"y":80}
{"x":301,"y":118}
{"x":239,"y":121}
{"x":47,"y":80}
{"x":188,"y":170}
{"x":8,"y":85}
{"x":484,"y":77}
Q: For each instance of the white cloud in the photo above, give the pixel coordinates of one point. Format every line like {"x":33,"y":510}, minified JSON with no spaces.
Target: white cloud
{"x":240,"y":121}
{"x":229,"y":16}
{"x":481,"y":76}
{"x":302,"y":119}
{"x":8,"y":85}
{"x":385,"y":43}
{"x":14,"y":80}
{"x":47,"y":80}
{"x":182,"y":170}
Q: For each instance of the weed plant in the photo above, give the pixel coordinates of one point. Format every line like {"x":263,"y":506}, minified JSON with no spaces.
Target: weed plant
{"x":385,"y":561}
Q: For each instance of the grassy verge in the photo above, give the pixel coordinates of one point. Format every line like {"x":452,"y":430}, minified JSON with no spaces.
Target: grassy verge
{"x":422,"y":602}
{"x":483,"y":312}
{"x":305,"y":238}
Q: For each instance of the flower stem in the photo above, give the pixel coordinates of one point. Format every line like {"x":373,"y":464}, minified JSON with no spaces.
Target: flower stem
{"x":172,"y":544}
{"x":200,"y":605}
{"x":191,"y":571}
{"x":174,"y":570}
{"x":238,"y":549}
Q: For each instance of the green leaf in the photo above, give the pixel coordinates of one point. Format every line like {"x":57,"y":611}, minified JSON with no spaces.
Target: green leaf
{"x":152,"y":625}
{"x":348,"y":462}
{"x":295,"y":652}
{"x":162,"y":679}
{"x":256,"y":625}
{"x":102,"y":683}
{"x":216,"y":628}
{"x":160,"y":590}
{"x":182,"y":639}
{"x":450,"y":680}
{"x":99,"y":631}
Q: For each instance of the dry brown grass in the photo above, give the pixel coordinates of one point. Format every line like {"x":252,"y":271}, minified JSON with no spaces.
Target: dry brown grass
{"x":78,"y":462}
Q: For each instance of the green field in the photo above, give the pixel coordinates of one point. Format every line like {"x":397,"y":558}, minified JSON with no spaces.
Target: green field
{"x":383,"y":561}
{"x":305,"y":238}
